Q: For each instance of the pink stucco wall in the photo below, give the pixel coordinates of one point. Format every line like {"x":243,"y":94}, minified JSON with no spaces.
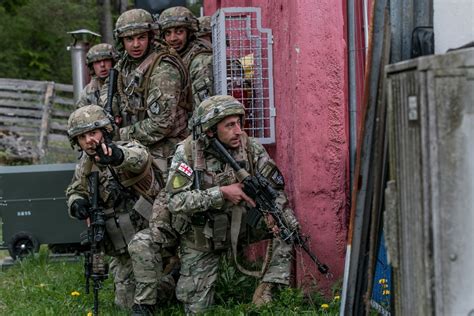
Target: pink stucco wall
{"x":312,"y":121}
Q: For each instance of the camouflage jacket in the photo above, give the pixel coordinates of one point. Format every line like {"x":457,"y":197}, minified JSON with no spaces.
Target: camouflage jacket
{"x":152,"y":93}
{"x":192,"y":206}
{"x":119,"y":200}
{"x":198,"y":59}
{"x":91,"y":93}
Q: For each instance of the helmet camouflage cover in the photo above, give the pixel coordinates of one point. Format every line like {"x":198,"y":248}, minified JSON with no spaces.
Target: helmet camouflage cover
{"x":86,"y":119}
{"x":133,"y":22}
{"x":204,"y":26}
{"x":100,"y":52}
{"x":214,"y":109}
{"x":176,"y":17}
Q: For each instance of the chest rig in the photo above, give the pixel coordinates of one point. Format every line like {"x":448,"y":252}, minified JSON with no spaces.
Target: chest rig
{"x":127,"y":201}
{"x":133,"y":84}
{"x":210,"y":230}
{"x":198,"y":46}
{"x":93,"y":90}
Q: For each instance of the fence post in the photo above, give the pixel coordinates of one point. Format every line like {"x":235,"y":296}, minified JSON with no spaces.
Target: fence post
{"x":45,"y":119}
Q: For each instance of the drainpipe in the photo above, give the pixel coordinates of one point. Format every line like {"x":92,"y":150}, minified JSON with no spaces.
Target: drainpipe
{"x":78,"y":48}
{"x":352,"y":127}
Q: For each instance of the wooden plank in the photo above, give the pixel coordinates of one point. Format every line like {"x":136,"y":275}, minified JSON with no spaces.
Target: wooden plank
{"x":22,"y":130}
{"x":20,"y":95}
{"x":24,"y":104}
{"x":23,"y":85}
{"x":20,"y":121}
{"x":64,"y":87}
{"x":23,"y":82}
{"x":64,"y":101}
{"x":44,"y":130}
{"x":20,"y":113}
{"x":60,"y":114}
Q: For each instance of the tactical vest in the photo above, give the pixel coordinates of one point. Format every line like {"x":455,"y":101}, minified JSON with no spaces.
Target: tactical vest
{"x":129,"y":201}
{"x":210,"y":230}
{"x":92,"y":91}
{"x":133,"y":89}
{"x":198,"y":46}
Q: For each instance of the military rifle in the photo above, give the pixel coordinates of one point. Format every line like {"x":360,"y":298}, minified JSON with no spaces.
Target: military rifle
{"x":259,"y":189}
{"x":95,"y":266}
{"x":111,"y":91}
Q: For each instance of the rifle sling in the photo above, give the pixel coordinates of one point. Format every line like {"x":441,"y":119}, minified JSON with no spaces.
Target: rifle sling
{"x":234,"y":239}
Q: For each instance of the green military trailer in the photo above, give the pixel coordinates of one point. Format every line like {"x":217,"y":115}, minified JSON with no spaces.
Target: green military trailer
{"x":34,"y":211}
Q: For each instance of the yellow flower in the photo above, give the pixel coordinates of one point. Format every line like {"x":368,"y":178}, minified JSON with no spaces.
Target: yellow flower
{"x":382,"y":281}
{"x":89,"y":314}
{"x":324,"y":306}
{"x":42,"y":285}
{"x":75,"y":293}
{"x":386,"y":292}
{"x":337,"y":298}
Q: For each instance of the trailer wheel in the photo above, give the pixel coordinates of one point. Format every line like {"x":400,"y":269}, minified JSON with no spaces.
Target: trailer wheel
{"x":22,"y":244}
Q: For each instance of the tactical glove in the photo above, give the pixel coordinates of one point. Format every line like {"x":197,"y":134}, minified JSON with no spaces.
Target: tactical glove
{"x":80,"y":209}
{"x":115,"y":159}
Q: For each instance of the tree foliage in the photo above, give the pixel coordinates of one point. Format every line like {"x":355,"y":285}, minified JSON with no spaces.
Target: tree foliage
{"x":34,"y":37}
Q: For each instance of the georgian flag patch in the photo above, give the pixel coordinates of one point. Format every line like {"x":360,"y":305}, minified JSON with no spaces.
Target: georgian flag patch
{"x":184,"y":168}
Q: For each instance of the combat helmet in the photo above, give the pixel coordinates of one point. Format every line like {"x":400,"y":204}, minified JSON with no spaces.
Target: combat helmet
{"x":100,"y":52}
{"x":132,"y":22}
{"x":214,"y":109}
{"x":204,"y":26}
{"x":86,"y":119}
{"x":176,"y":17}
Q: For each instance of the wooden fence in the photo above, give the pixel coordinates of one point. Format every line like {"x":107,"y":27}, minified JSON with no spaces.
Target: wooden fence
{"x":38,"y":111}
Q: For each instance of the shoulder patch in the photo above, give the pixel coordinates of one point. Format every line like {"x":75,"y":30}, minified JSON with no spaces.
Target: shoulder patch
{"x":178,"y":181}
{"x":185,"y":169}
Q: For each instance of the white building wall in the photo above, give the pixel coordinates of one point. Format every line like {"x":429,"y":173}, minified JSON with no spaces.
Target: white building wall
{"x":453,"y":23}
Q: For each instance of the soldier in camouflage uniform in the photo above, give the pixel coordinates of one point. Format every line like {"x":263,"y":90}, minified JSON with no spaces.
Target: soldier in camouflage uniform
{"x":128,"y":186}
{"x":152,"y":95}
{"x":208,"y":205}
{"x":100,"y":58}
{"x":178,"y":27}
{"x":205,"y":31}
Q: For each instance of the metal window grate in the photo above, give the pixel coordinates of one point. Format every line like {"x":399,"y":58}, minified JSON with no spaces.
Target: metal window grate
{"x":243,"y":67}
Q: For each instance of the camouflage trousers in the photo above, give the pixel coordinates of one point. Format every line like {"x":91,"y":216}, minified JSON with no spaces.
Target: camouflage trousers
{"x":199,"y":272}
{"x":151,"y":286}
{"x":124,"y":282}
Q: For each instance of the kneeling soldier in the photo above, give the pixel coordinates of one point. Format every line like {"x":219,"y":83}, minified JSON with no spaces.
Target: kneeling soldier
{"x":128,"y":185}
{"x":209,"y":205}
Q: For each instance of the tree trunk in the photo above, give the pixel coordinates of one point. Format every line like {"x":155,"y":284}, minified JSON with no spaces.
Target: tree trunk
{"x":105,"y":21}
{"x":122,"y":5}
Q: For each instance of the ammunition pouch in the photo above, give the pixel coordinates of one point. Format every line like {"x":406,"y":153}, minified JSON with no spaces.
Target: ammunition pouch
{"x":120,"y":226}
{"x":209,"y":232}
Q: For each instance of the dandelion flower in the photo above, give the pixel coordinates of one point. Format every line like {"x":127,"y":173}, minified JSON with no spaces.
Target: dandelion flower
{"x":324,"y":306}
{"x":89,"y":314}
{"x":75,"y":293}
{"x":382,"y":281}
{"x":337,"y":298}
{"x":386,"y":292}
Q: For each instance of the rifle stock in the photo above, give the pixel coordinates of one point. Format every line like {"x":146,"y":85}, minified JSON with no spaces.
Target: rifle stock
{"x":259,"y":189}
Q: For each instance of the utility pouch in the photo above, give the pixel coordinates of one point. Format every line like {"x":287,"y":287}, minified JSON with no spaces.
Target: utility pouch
{"x":143,"y":207}
{"x":220,"y":231}
{"x":180,"y":223}
{"x":113,"y":230}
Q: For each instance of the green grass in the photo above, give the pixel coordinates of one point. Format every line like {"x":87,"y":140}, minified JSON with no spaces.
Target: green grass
{"x":38,"y":286}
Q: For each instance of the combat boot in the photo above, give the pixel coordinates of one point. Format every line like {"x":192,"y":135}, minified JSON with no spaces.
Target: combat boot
{"x":142,"y":309}
{"x":262,"y":294}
